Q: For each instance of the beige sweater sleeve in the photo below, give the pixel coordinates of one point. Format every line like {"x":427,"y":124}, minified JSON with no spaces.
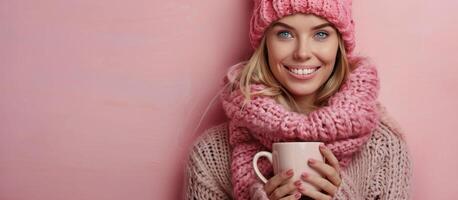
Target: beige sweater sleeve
{"x":389,"y":173}
{"x":207,"y":171}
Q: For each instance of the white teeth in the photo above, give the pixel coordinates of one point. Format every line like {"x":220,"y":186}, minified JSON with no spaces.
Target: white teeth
{"x":303,"y":71}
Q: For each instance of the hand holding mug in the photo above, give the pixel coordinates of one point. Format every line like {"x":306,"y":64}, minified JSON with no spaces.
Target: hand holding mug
{"x":286,"y":156}
{"x":300,"y":166}
{"x":280,"y":187}
{"x":330,"y":179}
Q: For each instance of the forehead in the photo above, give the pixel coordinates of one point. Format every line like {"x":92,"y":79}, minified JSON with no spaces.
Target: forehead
{"x":301,"y":21}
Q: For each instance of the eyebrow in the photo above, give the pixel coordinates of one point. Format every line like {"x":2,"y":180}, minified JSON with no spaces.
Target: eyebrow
{"x":290,"y":27}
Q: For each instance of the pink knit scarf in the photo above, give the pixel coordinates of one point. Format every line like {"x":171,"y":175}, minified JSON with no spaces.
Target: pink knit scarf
{"x":344,"y":124}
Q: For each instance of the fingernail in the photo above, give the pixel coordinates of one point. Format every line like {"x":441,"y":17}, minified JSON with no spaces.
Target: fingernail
{"x":304,"y":175}
{"x":289,"y":172}
{"x":311,"y":161}
{"x":322,"y":146}
{"x":297,"y":183}
{"x":302,"y":189}
{"x":297,"y":195}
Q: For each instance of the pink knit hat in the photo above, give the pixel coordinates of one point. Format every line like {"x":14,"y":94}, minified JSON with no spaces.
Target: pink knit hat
{"x":337,"y":12}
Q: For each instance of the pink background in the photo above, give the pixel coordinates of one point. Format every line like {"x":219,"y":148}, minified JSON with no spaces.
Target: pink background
{"x":99,"y":99}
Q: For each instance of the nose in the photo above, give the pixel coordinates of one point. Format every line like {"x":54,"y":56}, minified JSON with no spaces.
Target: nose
{"x":303,"y":51}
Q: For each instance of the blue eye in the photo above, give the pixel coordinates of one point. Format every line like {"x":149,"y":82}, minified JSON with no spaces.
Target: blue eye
{"x":321,"y":35}
{"x":283,"y":34}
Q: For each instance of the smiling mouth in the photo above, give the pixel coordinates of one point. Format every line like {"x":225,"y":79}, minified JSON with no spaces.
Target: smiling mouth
{"x":302,"y":70}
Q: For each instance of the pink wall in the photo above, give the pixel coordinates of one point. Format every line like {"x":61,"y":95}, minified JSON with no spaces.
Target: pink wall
{"x":99,"y":99}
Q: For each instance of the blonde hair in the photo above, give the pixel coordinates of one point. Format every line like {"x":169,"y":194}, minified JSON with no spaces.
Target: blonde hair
{"x":257,"y":71}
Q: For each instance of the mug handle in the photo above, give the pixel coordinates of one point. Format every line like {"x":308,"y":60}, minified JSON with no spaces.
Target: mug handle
{"x":258,"y":155}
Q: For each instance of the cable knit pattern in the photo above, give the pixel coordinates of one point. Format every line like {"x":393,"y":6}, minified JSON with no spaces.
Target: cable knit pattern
{"x":338,"y":12}
{"x":380,"y":170}
{"x":344,"y":125}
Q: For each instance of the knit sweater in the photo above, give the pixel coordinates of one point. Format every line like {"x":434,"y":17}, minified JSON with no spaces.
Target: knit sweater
{"x":381,"y":170}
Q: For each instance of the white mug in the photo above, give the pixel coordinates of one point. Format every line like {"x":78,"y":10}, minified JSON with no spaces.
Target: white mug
{"x":291,"y":155}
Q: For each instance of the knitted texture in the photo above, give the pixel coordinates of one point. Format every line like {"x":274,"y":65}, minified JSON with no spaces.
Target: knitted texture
{"x":344,"y":125}
{"x":207,"y":171}
{"x":337,"y":12}
{"x":381,"y":170}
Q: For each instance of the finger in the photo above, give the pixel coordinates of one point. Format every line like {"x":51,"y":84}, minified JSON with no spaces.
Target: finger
{"x":320,"y":183}
{"x":277,"y":180}
{"x":326,"y":171}
{"x":330,"y":157}
{"x":317,"y":195}
{"x":294,"y":196}
{"x":282,"y":191}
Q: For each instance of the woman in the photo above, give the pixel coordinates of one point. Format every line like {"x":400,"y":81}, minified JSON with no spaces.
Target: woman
{"x":302,"y":83}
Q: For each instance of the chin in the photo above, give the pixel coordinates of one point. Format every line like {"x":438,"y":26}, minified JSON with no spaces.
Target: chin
{"x":301,"y":91}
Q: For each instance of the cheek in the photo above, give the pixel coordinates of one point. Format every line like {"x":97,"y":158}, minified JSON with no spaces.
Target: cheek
{"x":274,"y":65}
{"x":277,"y":51}
{"x":278,"y":54}
{"x":327,"y":54}
{"x":275,"y":56}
